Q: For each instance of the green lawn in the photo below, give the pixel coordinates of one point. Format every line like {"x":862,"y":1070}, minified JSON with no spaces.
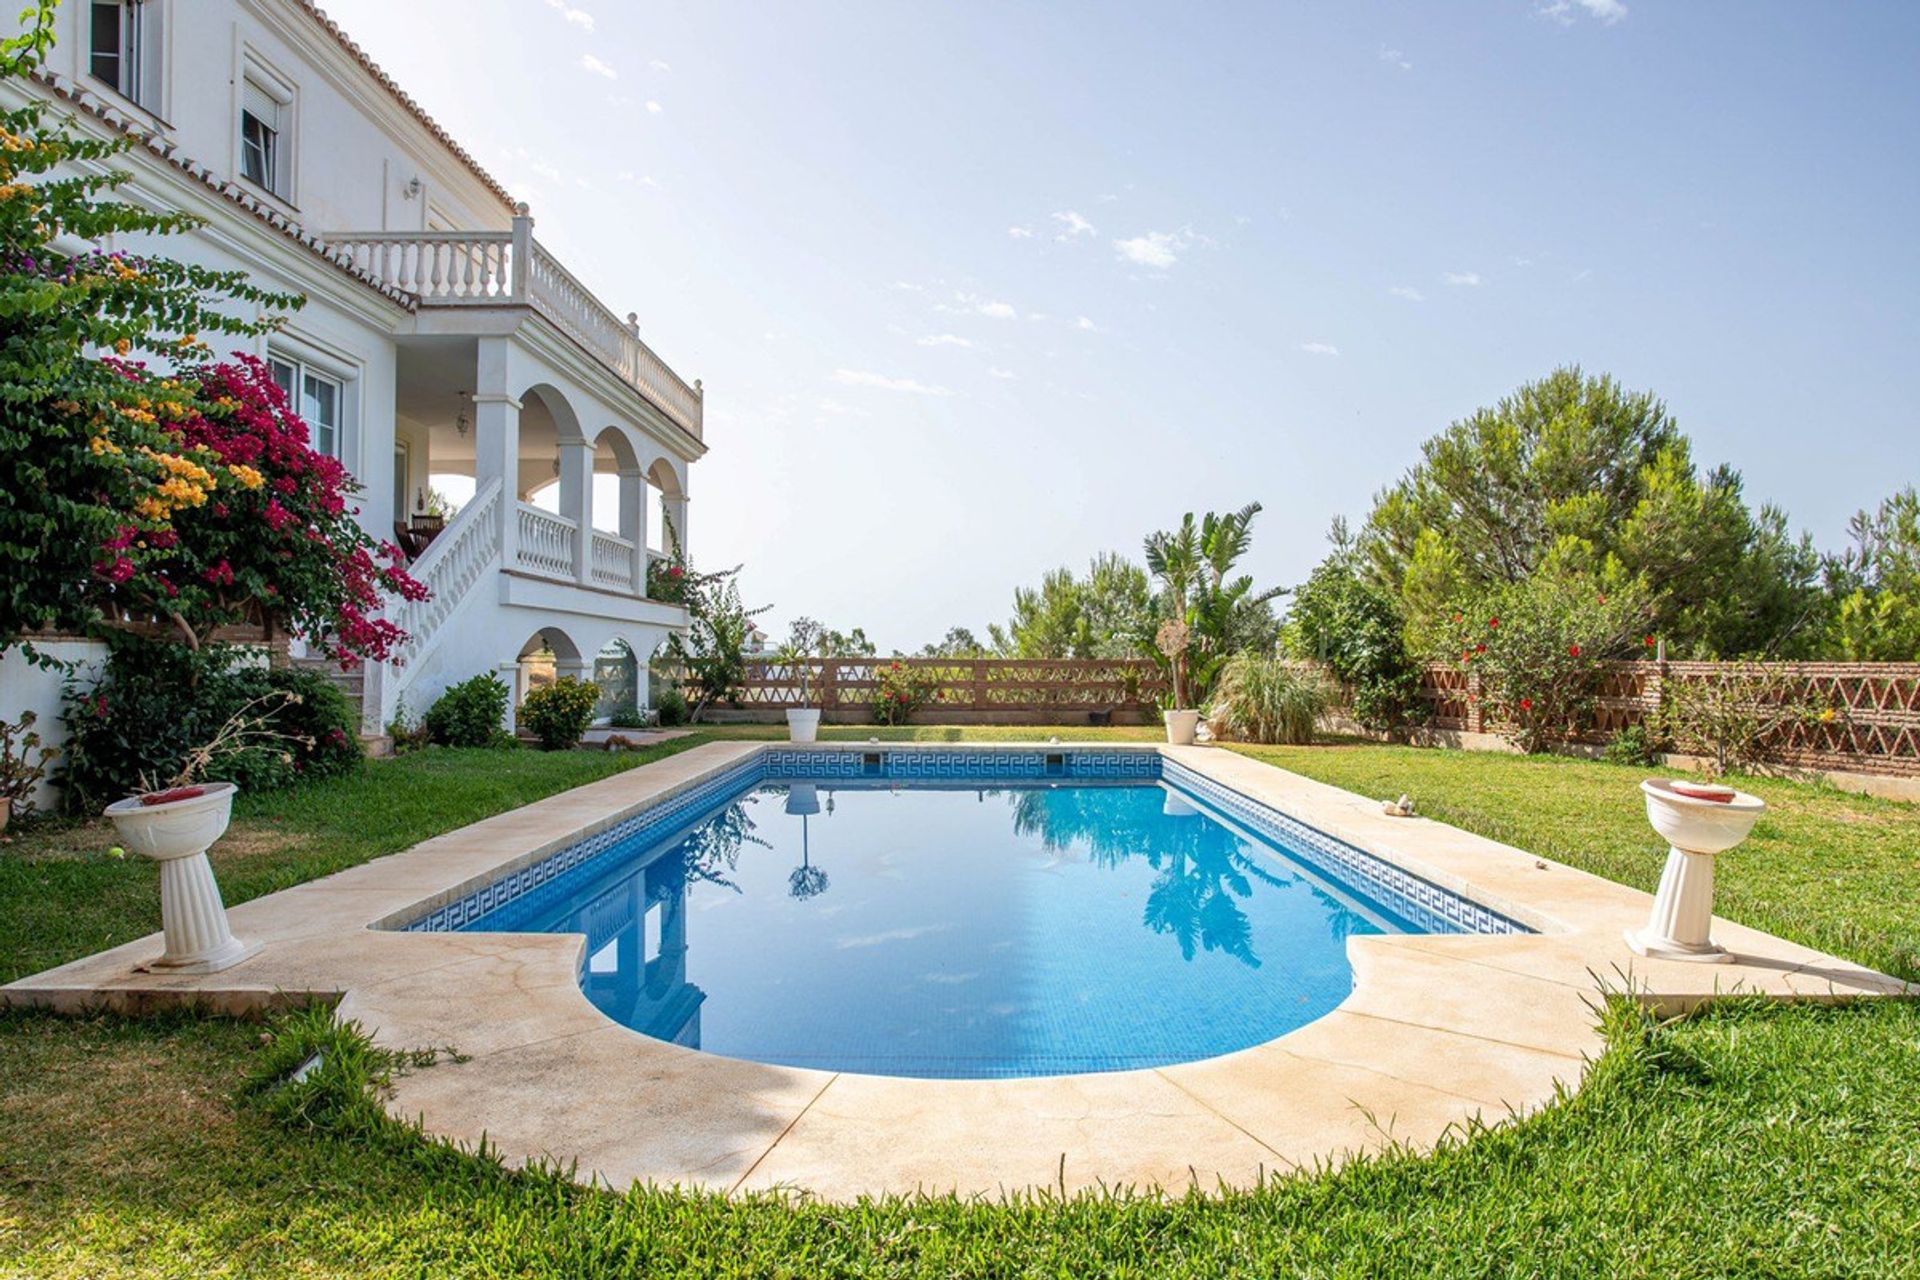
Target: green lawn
{"x":1751,"y":1140}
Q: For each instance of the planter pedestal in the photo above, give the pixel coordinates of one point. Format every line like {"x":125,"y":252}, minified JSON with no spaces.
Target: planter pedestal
{"x":177,"y":835}
{"x":1681,"y":922}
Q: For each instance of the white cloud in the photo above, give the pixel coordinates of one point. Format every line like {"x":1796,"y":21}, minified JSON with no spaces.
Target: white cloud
{"x":1020,"y":233}
{"x":654,"y":108}
{"x":1086,"y":324}
{"x":1562,"y":11}
{"x":658,"y":65}
{"x":1320,"y":348}
{"x":997,"y":372}
{"x":1468,"y":278}
{"x":590,"y":63}
{"x":998,"y":310}
{"x":1395,"y":58}
{"x":862,"y":378}
{"x":1408,"y":292}
{"x":945,"y":340}
{"x":578,"y":17}
{"x":1522,"y":262}
{"x":1157,"y":249}
{"x":1073,"y":224}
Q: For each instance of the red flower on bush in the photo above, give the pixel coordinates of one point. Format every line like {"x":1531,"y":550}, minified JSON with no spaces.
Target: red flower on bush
{"x":1526,"y":704}
{"x":1493,"y":622}
{"x":1649,"y":642}
{"x":1573,"y":651}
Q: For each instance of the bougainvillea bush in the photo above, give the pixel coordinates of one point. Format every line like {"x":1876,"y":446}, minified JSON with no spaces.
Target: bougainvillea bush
{"x":253,"y":524}
{"x":1537,"y":647}
{"x":147,"y":486}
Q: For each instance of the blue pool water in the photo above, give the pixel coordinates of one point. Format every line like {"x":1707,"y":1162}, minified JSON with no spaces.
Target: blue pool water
{"x":961,"y":928}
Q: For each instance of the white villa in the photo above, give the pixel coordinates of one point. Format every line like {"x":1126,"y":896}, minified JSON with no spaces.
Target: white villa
{"x":439,"y":338}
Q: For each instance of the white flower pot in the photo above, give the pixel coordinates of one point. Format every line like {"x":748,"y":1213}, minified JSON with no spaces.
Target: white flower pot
{"x":1680,"y":925}
{"x":1181,"y":726}
{"x":177,"y":836}
{"x":803,"y":723}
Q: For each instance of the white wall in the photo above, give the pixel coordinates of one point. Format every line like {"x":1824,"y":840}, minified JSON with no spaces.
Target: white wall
{"x":354,"y":147}
{"x":26,"y":687}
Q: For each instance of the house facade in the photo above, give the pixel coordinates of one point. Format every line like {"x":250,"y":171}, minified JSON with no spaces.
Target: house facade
{"x":441,"y":344}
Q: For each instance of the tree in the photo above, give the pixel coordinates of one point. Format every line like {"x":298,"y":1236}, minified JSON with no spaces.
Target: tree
{"x":1578,"y":475}
{"x":959,"y":642}
{"x":189,"y":498}
{"x":1223,"y":613}
{"x":1106,"y":614}
{"x":713,"y":647}
{"x":1349,"y":622}
{"x":1876,"y":585}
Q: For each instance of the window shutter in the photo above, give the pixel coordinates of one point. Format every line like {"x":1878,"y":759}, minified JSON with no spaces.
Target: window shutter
{"x":261,"y":105}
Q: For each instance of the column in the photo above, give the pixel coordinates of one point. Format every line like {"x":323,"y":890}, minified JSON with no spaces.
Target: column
{"x":510,"y":676}
{"x":633,"y":523}
{"x":496,"y":438}
{"x":674,"y":510}
{"x":576,"y":502}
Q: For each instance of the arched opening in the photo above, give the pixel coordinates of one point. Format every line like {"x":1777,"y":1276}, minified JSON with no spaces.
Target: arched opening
{"x":617,"y":672}
{"x":619,"y":484}
{"x":548,"y":654}
{"x":547,"y":423}
{"x":667,"y":486}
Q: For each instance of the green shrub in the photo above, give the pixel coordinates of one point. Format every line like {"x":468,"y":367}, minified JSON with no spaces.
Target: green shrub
{"x":1262,"y":699}
{"x":559,"y":713}
{"x":1633,"y":745}
{"x":627,"y":718}
{"x":156,"y":702}
{"x":1538,"y":646}
{"x":670,"y":704}
{"x":898,"y":692}
{"x":1354,"y":626}
{"x":468,"y":714}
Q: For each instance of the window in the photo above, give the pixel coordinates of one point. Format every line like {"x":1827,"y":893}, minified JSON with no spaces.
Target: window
{"x":315,"y":397}
{"x":124,"y":46}
{"x":261,"y":138}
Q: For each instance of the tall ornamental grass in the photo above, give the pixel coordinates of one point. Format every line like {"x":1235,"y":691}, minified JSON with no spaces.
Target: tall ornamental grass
{"x":1263,"y":699}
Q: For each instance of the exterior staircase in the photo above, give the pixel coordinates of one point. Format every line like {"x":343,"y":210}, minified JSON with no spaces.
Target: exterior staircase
{"x":353,"y":685}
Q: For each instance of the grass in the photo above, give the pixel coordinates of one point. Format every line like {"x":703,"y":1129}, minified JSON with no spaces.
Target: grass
{"x":1750,"y":1140}
{"x":62,"y":896}
{"x":1833,"y":870}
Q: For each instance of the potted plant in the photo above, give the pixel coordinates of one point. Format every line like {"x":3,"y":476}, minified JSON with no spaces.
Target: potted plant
{"x":1182,"y":720}
{"x":796,"y":655}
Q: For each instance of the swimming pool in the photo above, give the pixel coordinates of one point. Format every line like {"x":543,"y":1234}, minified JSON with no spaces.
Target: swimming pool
{"x":964,"y":913}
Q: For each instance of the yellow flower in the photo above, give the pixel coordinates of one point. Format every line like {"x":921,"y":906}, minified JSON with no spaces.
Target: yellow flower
{"x":246,"y":475}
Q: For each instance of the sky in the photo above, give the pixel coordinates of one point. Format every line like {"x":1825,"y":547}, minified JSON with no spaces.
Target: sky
{"x":980,"y":289}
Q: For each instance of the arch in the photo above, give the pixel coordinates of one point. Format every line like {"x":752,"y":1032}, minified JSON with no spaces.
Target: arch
{"x":616,"y":670}
{"x":613,"y":451}
{"x":548,"y":420}
{"x":668,"y":476}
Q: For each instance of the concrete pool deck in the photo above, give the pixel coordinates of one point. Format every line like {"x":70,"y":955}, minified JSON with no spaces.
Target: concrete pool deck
{"x":1439,"y":1029}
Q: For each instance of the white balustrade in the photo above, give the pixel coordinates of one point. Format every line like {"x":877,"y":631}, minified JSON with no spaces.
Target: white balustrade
{"x":546,"y":543}
{"x":612,"y":561}
{"x":449,"y":568}
{"x":510,"y":268}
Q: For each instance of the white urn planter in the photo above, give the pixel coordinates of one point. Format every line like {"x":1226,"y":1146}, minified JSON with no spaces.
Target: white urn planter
{"x":1181,"y":726}
{"x":1695,"y":829}
{"x":803,"y":723}
{"x":177,"y":835}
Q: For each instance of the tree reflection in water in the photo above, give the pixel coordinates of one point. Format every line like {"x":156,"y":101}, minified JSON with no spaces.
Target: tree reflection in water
{"x":1203,"y":867}
{"x":713,"y":848}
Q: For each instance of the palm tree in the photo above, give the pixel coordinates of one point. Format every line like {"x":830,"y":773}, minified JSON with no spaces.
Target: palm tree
{"x":1194,"y":564}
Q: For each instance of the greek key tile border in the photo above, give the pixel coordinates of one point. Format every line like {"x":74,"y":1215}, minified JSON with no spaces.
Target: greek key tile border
{"x":1419,"y":902}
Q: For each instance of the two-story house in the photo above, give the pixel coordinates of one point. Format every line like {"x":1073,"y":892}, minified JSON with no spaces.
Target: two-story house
{"x":439,"y":338}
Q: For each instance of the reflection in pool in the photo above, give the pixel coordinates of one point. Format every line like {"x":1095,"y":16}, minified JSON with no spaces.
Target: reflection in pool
{"x":941,"y":929}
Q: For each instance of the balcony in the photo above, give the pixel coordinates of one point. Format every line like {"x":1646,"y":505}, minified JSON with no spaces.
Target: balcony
{"x":512,"y":269}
